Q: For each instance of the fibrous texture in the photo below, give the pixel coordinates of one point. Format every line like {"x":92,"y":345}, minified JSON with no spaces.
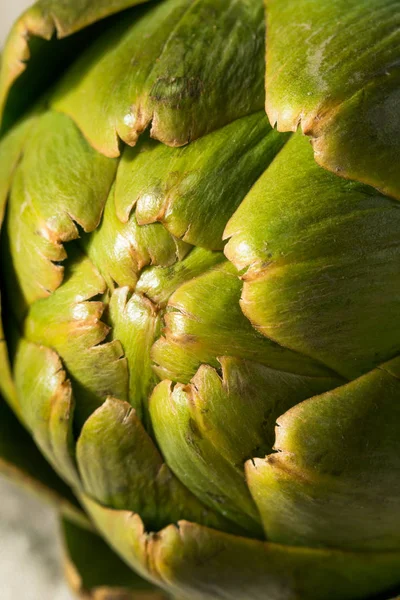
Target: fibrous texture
{"x":202,"y":324}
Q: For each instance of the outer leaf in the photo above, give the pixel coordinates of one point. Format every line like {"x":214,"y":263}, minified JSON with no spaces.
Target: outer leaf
{"x":172,"y":67}
{"x":198,"y":331}
{"x":69,"y":321}
{"x":47,"y":405}
{"x":32,"y":259}
{"x":121,"y":468}
{"x":61,"y":180}
{"x":126,"y":534}
{"x":335,"y":479}
{"x":21,"y":461}
{"x":69,"y":17}
{"x":321,"y":262}
{"x":94,"y":572}
{"x":203,"y":564}
{"x":10,"y":153}
{"x":43,"y":20}
{"x":194,"y":190}
{"x":334,"y":68}
{"x":11,"y":148}
{"x":66,"y":181}
{"x":208,"y":429}
{"x":7,"y":387}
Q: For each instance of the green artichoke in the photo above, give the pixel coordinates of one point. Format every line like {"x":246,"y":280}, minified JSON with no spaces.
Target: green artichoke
{"x":201,"y":309}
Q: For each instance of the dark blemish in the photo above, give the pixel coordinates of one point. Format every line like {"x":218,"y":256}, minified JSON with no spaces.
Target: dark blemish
{"x":194,"y":428}
{"x":171,"y":91}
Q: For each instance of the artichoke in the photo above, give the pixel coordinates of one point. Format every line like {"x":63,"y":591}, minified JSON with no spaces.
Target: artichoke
{"x":201,"y":308}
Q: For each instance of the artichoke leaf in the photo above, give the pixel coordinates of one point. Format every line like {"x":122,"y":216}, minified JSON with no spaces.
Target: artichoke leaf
{"x":100,"y":575}
{"x":334,"y":69}
{"x":176,"y":67}
{"x":335,"y":479}
{"x":199,"y":330}
{"x":22,"y":462}
{"x":120,"y":250}
{"x":319,"y":257}
{"x":208,"y":429}
{"x":136,"y":323}
{"x":60,"y":181}
{"x":126,"y":534}
{"x":159,"y":282}
{"x":69,"y":321}
{"x":78,"y":14}
{"x":199,"y":563}
{"x":202,"y":468}
{"x":30,"y":41}
{"x":47,"y":406}
{"x":207,"y":564}
{"x":121,"y":468}
{"x":66,"y":181}
{"x":7,"y":386}
{"x":32,"y":258}
{"x":11,"y":149}
{"x":195,"y":189}
{"x":361,"y":139}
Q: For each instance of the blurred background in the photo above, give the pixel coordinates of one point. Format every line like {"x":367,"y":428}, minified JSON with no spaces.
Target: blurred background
{"x":30,"y":549}
{"x":9,"y":10}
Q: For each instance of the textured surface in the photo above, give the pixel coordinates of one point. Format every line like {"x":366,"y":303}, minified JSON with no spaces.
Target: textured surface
{"x":201,"y":324}
{"x":33,"y":539}
{"x":333,"y":68}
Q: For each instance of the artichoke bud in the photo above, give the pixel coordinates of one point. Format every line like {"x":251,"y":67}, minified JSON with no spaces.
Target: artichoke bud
{"x":201,"y":310}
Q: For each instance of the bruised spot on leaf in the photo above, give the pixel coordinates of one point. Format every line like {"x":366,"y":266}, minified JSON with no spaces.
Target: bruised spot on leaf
{"x":171,"y":91}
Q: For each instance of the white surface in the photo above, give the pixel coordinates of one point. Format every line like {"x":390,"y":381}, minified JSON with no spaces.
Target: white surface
{"x":30,"y":548}
{"x":9,"y":11}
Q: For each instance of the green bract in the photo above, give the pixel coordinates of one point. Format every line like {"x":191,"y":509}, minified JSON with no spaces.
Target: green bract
{"x":201,"y":321}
